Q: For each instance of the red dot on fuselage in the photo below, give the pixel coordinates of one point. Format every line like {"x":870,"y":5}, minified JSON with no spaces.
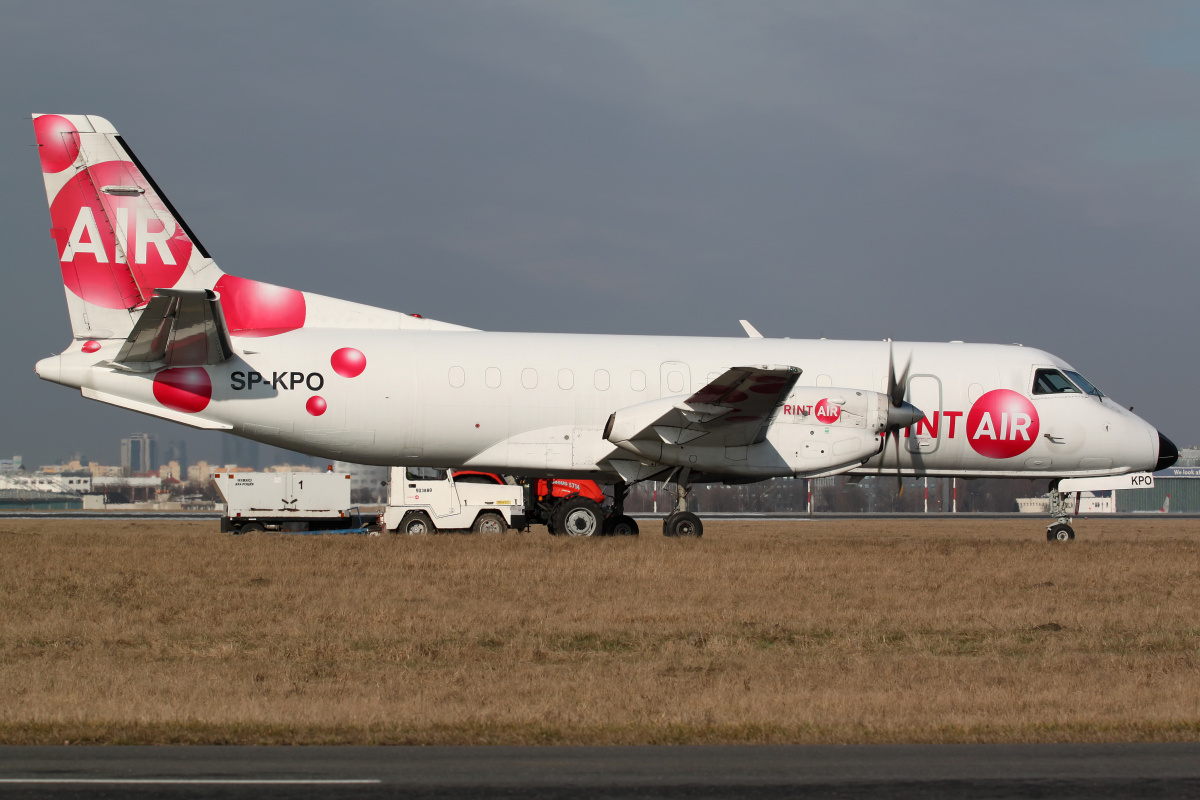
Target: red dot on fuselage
{"x":257,"y":309}
{"x":90,"y":346}
{"x":186,"y":389}
{"x":316,"y":405}
{"x":348,"y":362}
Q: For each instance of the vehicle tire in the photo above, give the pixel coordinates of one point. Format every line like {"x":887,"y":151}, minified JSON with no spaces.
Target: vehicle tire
{"x":1060,"y":533}
{"x":620,"y":525}
{"x":683,"y":523}
{"x":252,"y":527}
{"x":489,"y":522}
{"x":417,"y":523}
{"x":579,"y":516}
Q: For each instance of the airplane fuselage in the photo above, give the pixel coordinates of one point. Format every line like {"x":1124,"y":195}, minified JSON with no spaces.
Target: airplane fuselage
{"x":538,"y":403}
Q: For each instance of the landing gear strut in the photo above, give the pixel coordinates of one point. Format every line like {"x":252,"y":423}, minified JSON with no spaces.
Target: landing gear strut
{"x":619,"y":523}
{"x":682,"y":522}
{"x":1062,"y":506}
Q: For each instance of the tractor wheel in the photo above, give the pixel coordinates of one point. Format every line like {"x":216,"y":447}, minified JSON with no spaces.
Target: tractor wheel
{"x":579,"y":516}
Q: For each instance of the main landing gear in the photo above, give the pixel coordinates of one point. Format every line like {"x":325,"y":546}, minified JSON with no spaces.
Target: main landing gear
{"x":1062,"y":506}
{"x":619,"y":523}
{"x":682,"y":522}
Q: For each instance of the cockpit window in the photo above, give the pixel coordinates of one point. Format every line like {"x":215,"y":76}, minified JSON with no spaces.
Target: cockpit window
{"x":1085,"y":384}
{"x":1051,"y":381}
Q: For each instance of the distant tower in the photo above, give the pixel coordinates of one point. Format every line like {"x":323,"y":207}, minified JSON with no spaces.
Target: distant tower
{"x":139,"y":453}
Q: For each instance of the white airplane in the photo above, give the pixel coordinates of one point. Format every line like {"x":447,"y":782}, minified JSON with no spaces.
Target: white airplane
{"x":159,"y":328}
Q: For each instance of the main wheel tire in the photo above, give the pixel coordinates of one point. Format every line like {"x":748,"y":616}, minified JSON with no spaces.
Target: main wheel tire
{"x":579,"y":516}
{"x":252,"y":527}
{"x":1060,"y":533}
{"x":620,"y":525}
{"x":683,"y":523}
{"x":417,"y":523}
{"x":489,"y":522}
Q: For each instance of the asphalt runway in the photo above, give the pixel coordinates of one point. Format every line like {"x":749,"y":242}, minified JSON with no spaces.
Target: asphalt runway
{"x":894,"y":771}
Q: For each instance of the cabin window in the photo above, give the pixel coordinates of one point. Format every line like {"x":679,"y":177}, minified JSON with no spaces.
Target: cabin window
{"x":529,"y":378}
{"x":637,"y":380}
{"x":491,"y":377}
{"x":424,"y":474}
{"x":566,"y":379}
{"x":458,"y":377}
{"x":1051,"y":381}
{"x":602,"y":380}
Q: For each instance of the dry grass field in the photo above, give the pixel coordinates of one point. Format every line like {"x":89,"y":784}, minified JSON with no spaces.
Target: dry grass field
{"x":845,"y":631}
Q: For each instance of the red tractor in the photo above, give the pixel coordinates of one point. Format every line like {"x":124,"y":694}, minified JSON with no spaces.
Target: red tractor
{"x":569,"y":506}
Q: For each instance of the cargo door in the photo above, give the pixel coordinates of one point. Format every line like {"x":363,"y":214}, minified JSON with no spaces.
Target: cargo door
{"x":925,"y":392}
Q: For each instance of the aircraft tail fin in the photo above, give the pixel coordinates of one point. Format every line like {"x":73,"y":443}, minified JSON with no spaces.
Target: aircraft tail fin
{"x":118,"y":237}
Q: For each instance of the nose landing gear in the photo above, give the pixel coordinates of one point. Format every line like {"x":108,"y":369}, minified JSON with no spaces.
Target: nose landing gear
{"x":1062,"y":506}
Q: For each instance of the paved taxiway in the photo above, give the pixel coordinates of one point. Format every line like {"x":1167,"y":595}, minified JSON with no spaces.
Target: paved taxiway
{"x":905,"y":771}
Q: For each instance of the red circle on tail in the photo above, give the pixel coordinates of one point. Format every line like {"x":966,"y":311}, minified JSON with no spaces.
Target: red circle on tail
{"x":58,"y":142}
{"x":157,"y":250}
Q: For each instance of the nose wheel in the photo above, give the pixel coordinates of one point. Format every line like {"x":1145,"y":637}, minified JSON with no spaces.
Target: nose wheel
{"x":1060,"y":532}
{"x":1062,"y":506}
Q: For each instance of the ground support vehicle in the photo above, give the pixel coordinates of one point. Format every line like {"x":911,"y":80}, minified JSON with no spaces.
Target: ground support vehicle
{"x":356,"y":523}
{"x":425,"y":500}
{"x":287,"y":502}
{"x":576,"y":507}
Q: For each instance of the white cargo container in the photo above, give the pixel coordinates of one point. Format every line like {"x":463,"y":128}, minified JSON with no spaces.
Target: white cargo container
{"x":283,"y":501}
{"x":424,"y":500}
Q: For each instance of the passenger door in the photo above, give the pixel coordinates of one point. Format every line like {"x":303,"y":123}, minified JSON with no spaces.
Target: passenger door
{"x":925,"y":392}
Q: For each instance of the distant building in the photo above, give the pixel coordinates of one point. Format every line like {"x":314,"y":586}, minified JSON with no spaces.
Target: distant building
{"x":139,"y":454}
{"x":99,"y":470}
{"x":293,"y":468}
{"x":365,"y":477}
{"x":236,"y":450}
{"x":171,"y":470}
{"x":8,"y":465}
{"x":1180,"y":484}
{"x":199,"y":472}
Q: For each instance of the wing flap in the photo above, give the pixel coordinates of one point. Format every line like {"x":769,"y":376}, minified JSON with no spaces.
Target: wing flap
{"x":733,"y":410}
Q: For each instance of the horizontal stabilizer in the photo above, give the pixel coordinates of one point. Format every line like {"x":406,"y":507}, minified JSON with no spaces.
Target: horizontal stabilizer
{"x":178,"y":328}
{"x":155,"y":410}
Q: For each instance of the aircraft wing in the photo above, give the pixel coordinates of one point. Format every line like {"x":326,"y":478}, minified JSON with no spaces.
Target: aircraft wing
{"x":732,"y":410}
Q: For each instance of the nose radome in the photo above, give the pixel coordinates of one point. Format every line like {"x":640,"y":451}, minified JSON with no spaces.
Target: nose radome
{"x":1168,"y":453}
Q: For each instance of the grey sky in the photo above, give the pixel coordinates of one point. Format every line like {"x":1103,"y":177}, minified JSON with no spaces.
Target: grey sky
{"x":990,"y":172}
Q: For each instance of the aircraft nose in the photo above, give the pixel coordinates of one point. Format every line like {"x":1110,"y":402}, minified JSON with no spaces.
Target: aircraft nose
{"x":904,"y":415}
{"x":1168,"y":453}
